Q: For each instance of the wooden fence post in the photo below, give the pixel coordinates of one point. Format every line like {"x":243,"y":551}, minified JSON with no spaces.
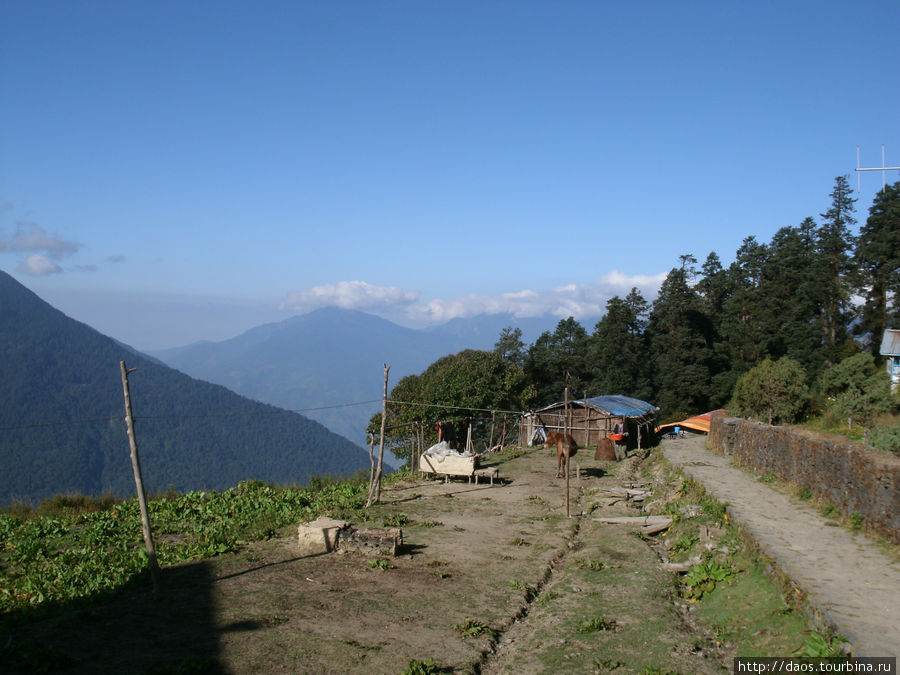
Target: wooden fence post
{"x":566,"y":433}
{"x":375,"y":484}
{"x":139,"y":481}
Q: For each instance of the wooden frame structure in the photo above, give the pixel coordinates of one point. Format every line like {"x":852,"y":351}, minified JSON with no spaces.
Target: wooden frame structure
{"x":589,"y":420}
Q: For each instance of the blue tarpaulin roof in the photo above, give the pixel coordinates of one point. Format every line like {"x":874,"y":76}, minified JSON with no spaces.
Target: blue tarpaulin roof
{"x":616,"y":404}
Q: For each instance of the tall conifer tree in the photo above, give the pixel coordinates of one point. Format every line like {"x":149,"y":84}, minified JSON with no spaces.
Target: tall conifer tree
{"x":793,"y":296}
{"x":835,"y":243}
{"x":555,"y":354}
{"x":878,"y":260}
{"x":680,"y":337}
{"x":618,"y":354}
{"x":743,"y":324}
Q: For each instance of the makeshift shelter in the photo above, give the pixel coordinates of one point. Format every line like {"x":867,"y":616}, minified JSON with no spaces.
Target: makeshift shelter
{"x":695,"y":423}
{"x":627,"y":420}
{"x":890,"y":347}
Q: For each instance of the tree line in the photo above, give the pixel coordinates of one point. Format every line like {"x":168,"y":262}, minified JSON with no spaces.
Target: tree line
{"x":816,"y":294}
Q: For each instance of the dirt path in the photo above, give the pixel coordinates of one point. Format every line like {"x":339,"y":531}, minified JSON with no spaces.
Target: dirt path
{"x":854,"y":585}
{"x":492,"y":579}
{"x":611,"y":578}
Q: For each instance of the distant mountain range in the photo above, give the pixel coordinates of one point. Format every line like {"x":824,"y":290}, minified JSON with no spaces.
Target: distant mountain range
{"x":62,"y":410}
{"x":323,"y":362}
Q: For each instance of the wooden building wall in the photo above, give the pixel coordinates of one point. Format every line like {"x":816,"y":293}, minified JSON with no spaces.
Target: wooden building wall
{"x":585,"y":424}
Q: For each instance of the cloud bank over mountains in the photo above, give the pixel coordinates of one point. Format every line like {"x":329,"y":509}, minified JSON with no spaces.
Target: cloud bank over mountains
{"x":357,"y":295}
{"x":570,"y":300}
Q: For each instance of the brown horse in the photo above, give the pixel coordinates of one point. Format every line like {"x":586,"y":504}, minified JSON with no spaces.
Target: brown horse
{"x":565,"y":448}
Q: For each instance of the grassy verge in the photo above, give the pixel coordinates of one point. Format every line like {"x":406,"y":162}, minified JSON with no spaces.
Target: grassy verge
{"x":732,"y":589}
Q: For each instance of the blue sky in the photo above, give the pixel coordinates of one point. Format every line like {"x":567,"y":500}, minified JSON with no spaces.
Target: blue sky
{"x":174,"y":171}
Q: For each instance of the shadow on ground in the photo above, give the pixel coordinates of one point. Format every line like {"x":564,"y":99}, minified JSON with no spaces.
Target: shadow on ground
{"x":127,"y":631}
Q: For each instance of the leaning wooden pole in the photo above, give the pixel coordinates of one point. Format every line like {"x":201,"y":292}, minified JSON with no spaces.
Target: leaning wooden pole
{"x":375,"y":485}
{"x":565,"y":441}
{"x":139,"y":481}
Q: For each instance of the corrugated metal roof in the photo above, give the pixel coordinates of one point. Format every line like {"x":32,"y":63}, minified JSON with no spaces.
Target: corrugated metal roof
{"x":616,"y":404}
{"x":890,"y":343}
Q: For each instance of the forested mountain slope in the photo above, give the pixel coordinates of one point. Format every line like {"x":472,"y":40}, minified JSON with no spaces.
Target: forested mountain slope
{"x":62,"y":427}
{"x":331,"y":357}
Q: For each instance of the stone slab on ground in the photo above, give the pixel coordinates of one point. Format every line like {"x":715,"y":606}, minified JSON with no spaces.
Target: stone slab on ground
{"x":844,"y":575}
{"x":320,"y":536}
{"x":325,"y":535}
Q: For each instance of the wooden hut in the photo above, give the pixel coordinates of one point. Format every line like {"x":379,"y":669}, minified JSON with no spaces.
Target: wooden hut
{"x":590,"y":419}
{"x":890,"y":347}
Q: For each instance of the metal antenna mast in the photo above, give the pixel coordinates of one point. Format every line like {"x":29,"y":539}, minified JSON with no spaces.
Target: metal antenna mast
{"x":881,"y":168}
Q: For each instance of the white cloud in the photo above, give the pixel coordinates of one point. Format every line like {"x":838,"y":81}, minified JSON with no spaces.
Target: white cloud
{"x":37,"y":265}
{"x":30,"y":236}
{"x":348,"y":295}
{"x":587,"y":300}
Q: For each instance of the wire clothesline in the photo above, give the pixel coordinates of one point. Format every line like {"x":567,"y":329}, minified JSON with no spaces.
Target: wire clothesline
{"x":113,"y":418}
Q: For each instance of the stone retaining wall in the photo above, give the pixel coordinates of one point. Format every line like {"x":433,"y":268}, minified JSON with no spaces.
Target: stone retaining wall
{"x":849,"y":476}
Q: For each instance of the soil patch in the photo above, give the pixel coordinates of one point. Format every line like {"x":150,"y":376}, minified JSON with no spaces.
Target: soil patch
{"x":491,"y":579}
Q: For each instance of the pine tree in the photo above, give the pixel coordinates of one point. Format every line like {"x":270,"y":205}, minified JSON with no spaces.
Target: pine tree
{"x":510,"y":347}
{"x":713,"y":285}
{"x":793,"y":294}
{"x":617,"y":355}
{"x":553,"y":356}
{"x":743,"y":325}
{"x":877,"y":258}
{"x":835,"y":241}
{"x":716,"y":287}
{"x":680,"y":335}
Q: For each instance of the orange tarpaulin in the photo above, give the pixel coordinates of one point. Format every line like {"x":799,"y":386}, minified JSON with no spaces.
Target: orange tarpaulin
{"x":697,"y":422}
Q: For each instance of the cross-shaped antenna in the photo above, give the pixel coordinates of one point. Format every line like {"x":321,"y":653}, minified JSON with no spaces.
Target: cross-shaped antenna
{"x":881,"y":168}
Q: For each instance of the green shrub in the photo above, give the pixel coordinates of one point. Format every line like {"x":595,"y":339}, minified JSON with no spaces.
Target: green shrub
{"x":597,"y":624}
{"x":702,"y":579}
{"x":829,"y":510}
{"x":426,"y":667}
{"x":886,"y":437}
{"x":395,"y":520}
{"x":857,"y":389}
{"x":821,"y":646}
{"x":59,"y":505}
{"x":773,"y":391}
{"x":473,"y":628}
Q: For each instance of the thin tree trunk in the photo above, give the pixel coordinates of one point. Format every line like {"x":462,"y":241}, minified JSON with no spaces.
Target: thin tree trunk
{"x":139,"y":482}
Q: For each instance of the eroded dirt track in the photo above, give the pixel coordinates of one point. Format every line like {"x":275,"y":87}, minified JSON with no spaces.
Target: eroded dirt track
{"x":492,"y":579}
